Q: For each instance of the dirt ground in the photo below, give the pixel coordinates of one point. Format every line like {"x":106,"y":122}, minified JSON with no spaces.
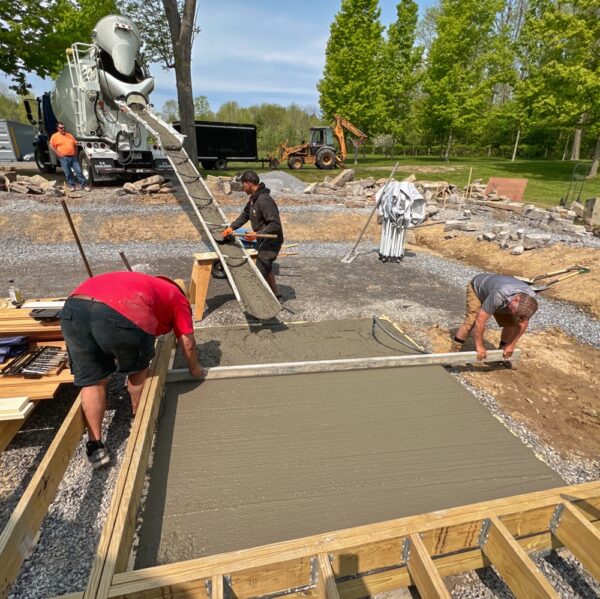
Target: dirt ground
{"x":583,"y":290}
{"x":553,"y":390}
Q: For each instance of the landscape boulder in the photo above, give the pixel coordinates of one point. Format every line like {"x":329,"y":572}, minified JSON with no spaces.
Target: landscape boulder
{"x":533,"y":241}
{"x":344,"y":177}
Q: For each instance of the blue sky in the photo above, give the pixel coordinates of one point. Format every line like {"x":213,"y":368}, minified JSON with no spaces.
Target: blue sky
{"x":257,"y":51}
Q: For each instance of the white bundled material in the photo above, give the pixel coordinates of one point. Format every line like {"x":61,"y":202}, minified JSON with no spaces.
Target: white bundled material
{"x":401,"y":206}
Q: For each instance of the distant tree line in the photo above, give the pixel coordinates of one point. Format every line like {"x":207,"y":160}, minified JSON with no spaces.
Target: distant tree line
{"x":275,"y":123}
{"x":511,"y":77}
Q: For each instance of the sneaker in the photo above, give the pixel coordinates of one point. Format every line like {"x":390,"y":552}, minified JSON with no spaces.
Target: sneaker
{"x":73,"y":188}
{"x":86,"y":188}
{"x":97,"y":454}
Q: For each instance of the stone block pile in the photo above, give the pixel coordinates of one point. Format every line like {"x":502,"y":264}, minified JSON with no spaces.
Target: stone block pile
{"x":37,"y":185}
{"x":149,"y":185}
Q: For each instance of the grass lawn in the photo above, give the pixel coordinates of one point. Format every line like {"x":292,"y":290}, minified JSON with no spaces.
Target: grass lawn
{"x":548,"y":180}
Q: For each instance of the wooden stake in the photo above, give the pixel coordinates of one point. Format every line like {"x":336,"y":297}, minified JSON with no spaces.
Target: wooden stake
{"x":74,"y":231}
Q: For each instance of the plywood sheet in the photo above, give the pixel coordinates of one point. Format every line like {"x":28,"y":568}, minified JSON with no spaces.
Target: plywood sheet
{"x":247,"y":462}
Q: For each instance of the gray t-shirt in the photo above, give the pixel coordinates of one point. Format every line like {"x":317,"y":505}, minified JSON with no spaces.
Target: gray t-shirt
{"x":496,"y":291}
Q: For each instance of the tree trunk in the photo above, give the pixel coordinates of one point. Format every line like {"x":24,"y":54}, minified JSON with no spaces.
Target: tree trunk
{"x":182,"y":31}
{"x":575,"y":149}
{"x":514,"y":154}
{"x":566,"y":147}
{"x":448,"y":145}
{"x":596,"y":160}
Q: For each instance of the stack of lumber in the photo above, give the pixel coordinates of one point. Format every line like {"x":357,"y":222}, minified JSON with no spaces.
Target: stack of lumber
{"x":18,"y":322}
{"x":15,"y":408}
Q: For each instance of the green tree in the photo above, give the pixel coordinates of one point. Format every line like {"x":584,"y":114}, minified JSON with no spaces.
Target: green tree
{"x":401,"y":70}
{"x":169,"y":29}
{"x":561,"y":63}
{"x":170,"y":111}
{"x":353,"y":75}
{"x":457,"y":88}
{"x":35,"y":35}
{"x":202,"y":109}
{"x":11,"y":106}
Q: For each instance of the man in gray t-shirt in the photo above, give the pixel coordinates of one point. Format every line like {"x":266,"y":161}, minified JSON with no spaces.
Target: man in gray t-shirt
{"x":512,"y":303}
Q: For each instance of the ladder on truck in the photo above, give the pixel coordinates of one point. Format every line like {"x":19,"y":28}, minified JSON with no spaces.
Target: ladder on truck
{"x":248,"y":285}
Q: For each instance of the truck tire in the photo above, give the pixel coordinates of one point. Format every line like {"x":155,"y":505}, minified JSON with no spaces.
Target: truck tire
{"x":273,"y":163}
{"x":87,"y":170}
{"x":207,"y":164}
{"x":43,"y":166}
{"x":221,"y":164}
{"x":295,"y":162}
{"x":326,"y":159}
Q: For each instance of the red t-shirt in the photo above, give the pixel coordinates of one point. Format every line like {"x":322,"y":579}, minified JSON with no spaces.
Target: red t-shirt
{"x":153,"y":304}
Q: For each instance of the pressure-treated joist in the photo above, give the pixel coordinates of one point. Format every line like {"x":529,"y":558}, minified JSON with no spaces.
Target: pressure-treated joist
{"x":230,"y":372}
{"x":366,"y":560}
{"x":574,"y":531}
{"x":117,"y":535}
{"x":514,"y":566}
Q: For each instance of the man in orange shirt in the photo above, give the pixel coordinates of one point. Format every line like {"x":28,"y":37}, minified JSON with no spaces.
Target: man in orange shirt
{"x":64,"y":145}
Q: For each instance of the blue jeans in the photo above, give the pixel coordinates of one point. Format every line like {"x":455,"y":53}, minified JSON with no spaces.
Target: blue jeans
{"x":70,"y":163}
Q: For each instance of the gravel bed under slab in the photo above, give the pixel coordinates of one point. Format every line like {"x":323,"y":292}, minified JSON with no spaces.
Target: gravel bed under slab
{"x":70,"y":532}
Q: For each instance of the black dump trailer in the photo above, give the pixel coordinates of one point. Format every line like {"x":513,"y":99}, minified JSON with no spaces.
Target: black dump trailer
{"x":219,"y":143}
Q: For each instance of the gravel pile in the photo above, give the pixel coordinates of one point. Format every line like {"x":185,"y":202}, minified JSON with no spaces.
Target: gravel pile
{"x":278,"y":181}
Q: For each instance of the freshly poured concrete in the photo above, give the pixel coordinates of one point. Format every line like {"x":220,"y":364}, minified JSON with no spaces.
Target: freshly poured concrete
{"x":246,"y":462}
{"x":295,"y":342}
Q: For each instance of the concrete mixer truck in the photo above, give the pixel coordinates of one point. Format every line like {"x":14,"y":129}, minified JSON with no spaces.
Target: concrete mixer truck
{"x":87,"y":95}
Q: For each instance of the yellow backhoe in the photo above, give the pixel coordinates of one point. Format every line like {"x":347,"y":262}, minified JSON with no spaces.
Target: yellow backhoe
{"x":320,"y":150}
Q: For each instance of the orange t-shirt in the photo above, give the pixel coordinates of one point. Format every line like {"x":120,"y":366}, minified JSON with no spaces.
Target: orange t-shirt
{"x":64,"y":144}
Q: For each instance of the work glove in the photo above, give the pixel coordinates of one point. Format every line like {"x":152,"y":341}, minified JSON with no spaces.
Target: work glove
{"x":228,"y":232}
{"x":250,"y":237}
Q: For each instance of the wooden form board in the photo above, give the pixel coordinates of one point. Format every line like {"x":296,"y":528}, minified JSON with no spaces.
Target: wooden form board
{"x":117,"y":535}
{"x":16,"y":321}
{"x":450,"y":537}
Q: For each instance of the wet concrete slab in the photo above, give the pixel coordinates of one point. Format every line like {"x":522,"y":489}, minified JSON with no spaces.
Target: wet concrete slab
{"x":296,"y":342}
{"x":246,"y":462}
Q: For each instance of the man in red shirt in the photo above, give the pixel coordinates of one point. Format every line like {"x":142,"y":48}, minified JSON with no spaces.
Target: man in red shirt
{"x":110,"y":323}
{"x":64,"y":145}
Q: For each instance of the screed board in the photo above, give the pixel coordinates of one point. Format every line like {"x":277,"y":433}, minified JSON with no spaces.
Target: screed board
{"x":247,"y":462}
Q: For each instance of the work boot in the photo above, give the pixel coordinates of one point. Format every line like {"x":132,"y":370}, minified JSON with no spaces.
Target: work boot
{"x":456,"y":346}
{"x":86,"y":188}
{"x":97,"y":454}
{"x":73,"y":188}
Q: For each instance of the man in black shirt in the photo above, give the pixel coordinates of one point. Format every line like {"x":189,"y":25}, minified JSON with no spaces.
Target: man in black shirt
{"x":263,"y":214}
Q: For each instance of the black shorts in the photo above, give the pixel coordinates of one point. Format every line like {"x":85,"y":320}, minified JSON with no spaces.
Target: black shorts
{"x":101,"y":341}
{"x":267,"y":254}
